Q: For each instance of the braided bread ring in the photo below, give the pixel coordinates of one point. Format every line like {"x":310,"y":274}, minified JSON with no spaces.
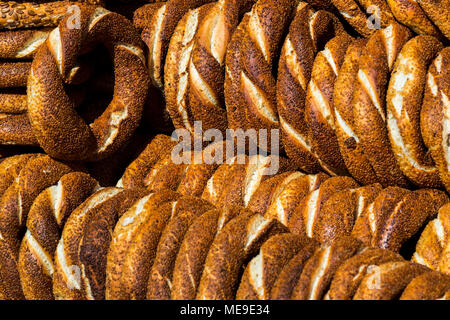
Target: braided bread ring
{"x":176,"y":70}
{"x":262,"y":271}
{"x":369,"y":111}
{"x":289,"y":275}
{"x":435,"y":116}
{"x":427,"y":286}
{"x":404,"y":103}
{"x":194,"y":249}
{"x":127,"y":228}
{"x":80,"y":258}
{"x":207,"y":64}
{"x":158,"y":32}
{"x":46,"y":218}
{"x":239,"y":240}
{"x":267,"y":23}
{"x":50,"y":68}
{"x":308,"y":33}
{"x":411,"y":14}
{"x":21,"y":44}
{"x":349,"y":275}
{"x":439,"y":17}
{"x":30,"y":15}
{"x":38,"y":174}
{"x":319,"y":110}
{"x":160,"y":279}
{"x":320,"y":268}
{"x":349,"y":143}
{"x":391,"y":279}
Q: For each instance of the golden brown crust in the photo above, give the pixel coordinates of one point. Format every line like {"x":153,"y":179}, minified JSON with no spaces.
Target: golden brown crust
{"x":369,"y":112}
{"x":14,"y":74}
{"x":403,"y":106}
{"x":439,"y":17}
{"x":46,"y":219}
{"x":21,"y":44}
{"x":349,"y":275}
{"x":427,"y":286}
{"x":13,"y":101}
{"x":15,"y":129}
{"x":51,"y":69}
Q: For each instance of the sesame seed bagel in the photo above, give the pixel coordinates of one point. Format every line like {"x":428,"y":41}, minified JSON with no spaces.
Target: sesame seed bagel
{"x":207,"y":63}
{"x":349,"y":275}
{"x":439,"y":17}
{"x":403,"y":105}
{"x":262,"y":271}
{"x":387,"y":281}
{"x":50,"y":69}
{"x":411,"y":14}
{"x":239,"y":240}
{"x":308,"y":33}
{"x":21,"y":44}
{"x":338,"y":214}
{"x":194,"y":249}
{"x":263,"y":37}
{"x":176,"y":72}
{"x":158,"y":31}
{"x":427,"y":286}
{"x":319,"y":110}
{"x":433,"y":240}
{"x":80,"y":258}
{"x":369,"y":103}
{"x":46,"y":219}
{"x":289,"y":275}
{"x":160,"y":279}
{"x":141,"y":217}
{"x":290,"y":194}
{"x":39,"y":173}
{"x":304,"y":218}
{"x":434,"y":118}
{"x":320,"y":268}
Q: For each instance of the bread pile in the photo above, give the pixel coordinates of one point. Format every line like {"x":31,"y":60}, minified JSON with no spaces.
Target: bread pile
{"x":94,"y":205}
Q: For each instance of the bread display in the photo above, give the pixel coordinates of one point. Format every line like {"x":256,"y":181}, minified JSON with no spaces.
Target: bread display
{"x":224,"y":150}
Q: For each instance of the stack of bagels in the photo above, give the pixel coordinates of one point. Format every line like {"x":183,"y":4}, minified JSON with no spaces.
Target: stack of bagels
{"x":98,"y":201}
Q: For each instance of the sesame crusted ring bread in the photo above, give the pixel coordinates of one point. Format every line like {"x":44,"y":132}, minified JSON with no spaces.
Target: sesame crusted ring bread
{"x":160,"y":279}
{"x":387,"y":281}
{"x":135,"y":173}
{"x":319,"y":110}
{"x":433,"y":241}
{"x":30,"y":15}
{"x":289,"y":194}
{"x":143,"y":14}
{"x":196,"y":243}
{"x":439,"y":17}
{"x":10,"y":169}
{"x":434,"y":122}
{"x":349,"y":143}
{"x":338,"y":214}
{"x":46,"y":219}
{"x":176,"y":69}
{"x":39,"y":173}
{"x":369,"y":114}
{"x":157,"y":33}
{"x":141,"y":216}
{"x":13,"y":100}
{"x":411,"y":14}
{"x":15,"y":129}
{"x":403,"y":106}
{"x":49,"y":72}
{"x":263,"y":35}
{"x":427,"y":286}
{"x":14,"y":74}
{"x":21,"y":44}
{"x":238,"y":241}
{"x":308,"y":33}
{"x":349,"y":275}
{"x":289,"y":275}
{"x":207,"y":64}
{"x":80,"y":257}
{"x":262,"y":271}
{"x":320,"y":268}
{"x":304,"y":219}
{"x":357,"y":13}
